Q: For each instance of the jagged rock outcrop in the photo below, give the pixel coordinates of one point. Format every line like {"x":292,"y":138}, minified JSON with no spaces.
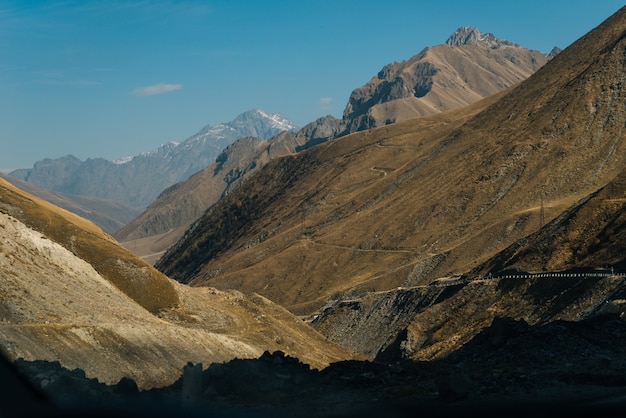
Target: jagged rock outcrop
{"x":470,"y":65}
{"x":467,"y":35}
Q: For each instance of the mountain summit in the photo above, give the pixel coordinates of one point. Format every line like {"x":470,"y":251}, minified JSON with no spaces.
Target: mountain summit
{"x":467,"y":35}
{"x":137,"y":181}
{"x":469,"y":66}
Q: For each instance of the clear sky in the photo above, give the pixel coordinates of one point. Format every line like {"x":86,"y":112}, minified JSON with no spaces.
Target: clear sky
{"x":116,"y":78}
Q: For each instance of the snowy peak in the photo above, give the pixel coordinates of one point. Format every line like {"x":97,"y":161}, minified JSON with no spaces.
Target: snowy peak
{"x":138,"y":180}
{"x":256,"y":123}
{"x":467,"y":35}
{"x":277,"y":121}
{"x":261,"y":124}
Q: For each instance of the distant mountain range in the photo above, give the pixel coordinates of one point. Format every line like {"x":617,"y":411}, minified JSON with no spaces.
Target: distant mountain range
{"x":137,"y":181}
{"x":109,"y":214}
{"x":469,"y":66}
{"x":166,"y":219}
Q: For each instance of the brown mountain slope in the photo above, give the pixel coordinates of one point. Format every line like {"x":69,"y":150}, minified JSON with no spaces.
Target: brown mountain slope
{"x":70,"y":293}
{"x":404,"y":204}
{"x":166,"y":219}
{"x":428,"y":322}
{"x":108,"y":214}
{"x":468,"y":67}
{"x":591,"y":234}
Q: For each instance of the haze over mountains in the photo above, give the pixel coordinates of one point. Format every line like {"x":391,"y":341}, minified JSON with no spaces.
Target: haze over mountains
{"x":136,"y":181}
{"x":108,"y":214}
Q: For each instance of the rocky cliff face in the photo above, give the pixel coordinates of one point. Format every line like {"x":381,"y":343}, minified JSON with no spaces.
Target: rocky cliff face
{"x":467,"y":35}
{"x":469,"y":66}
{"x":137,"y":181}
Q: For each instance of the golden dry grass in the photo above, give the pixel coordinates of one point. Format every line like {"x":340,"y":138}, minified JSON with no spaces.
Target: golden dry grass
{"x":136,"y":278}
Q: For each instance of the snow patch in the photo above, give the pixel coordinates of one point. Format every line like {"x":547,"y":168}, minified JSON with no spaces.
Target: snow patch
{"x":277,"y":120}
{"x":123,"y":160}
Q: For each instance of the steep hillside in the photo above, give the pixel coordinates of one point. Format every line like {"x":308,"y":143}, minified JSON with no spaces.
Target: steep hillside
{"x":405,"y":204}
{"x":431,"y":322}
{"x":107,"y":214}
{"x":179,"y":205}
{"x":71,"y":294}
{"x":137,"y":181}
{"x":469,"y":66}
{"x":166,"y":219}
{"x":287,"y":206}
{"x":588,"y":235}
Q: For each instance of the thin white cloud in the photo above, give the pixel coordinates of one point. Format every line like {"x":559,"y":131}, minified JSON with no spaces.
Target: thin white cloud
{"x":326,"y":103}
{"x":156,"y":89}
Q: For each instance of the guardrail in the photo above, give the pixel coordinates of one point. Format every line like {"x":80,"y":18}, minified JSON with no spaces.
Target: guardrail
{"x":558,"y":275}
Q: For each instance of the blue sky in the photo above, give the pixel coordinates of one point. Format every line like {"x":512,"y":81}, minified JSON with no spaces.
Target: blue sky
{"x":115,"y":78}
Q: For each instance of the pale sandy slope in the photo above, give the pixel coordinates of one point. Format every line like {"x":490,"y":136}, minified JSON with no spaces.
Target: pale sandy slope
{"x":55,"y":306}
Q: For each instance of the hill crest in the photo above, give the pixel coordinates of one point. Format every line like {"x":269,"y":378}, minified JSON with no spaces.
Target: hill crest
{"x":72,"y":294}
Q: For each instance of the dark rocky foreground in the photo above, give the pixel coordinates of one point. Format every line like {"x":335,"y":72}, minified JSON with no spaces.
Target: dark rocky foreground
{"x":510,"y":368}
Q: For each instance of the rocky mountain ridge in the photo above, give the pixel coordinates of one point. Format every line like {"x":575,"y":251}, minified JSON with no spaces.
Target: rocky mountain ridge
{"x":467,"y":35}
{"x":469,"y":66}
{"x":136,"y":181}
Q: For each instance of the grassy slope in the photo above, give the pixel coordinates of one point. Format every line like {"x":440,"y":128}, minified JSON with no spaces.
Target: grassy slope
{"x":410,"y":202}
{"x":71,"y":293}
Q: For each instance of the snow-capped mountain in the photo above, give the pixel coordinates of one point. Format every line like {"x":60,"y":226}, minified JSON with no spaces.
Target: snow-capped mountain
{"x":138,"y":180}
